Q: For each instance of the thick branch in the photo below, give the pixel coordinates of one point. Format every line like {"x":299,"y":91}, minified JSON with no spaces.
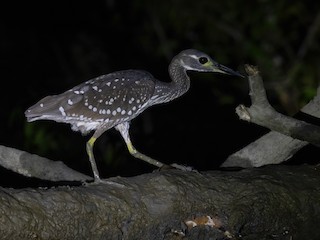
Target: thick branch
{"x":266,"y":203}
{"x":273,"y":147}
{"x":31,"y":165}
{"x":261,"y":113}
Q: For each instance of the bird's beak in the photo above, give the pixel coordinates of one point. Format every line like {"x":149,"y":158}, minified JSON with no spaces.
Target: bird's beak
{"x":216,"y":67}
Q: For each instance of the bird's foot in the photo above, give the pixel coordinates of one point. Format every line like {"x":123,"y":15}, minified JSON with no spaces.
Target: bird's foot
{"x":178,"y":166}
{"x":183,"y":167}
{"x":104,"y":181}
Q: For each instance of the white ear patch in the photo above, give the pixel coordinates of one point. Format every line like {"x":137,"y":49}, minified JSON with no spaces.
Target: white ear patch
{"x":194,"y":56}
{"x":185,"y":66}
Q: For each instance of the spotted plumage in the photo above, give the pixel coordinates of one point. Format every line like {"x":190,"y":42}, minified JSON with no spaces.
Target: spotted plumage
{"x":90,"y":105}
{"x":112,"y":100}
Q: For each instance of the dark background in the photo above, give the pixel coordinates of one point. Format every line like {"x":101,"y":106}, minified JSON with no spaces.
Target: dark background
{"x":48,"y":47}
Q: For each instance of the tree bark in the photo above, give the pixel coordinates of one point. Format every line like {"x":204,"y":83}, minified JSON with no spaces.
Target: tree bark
{"x":274,"y":202}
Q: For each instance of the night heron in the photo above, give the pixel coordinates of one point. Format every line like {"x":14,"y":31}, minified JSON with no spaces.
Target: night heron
{"x":112,"y":100}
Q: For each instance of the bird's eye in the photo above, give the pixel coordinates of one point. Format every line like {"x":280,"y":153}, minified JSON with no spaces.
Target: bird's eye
{"x":203,"y":60}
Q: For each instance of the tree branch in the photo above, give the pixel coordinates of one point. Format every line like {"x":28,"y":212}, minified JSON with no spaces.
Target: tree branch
{"x":261,"y":113}
{"x":274,"y":147}
{"x":271,"y":148}
{"x":32,"y":165}
{"x":260,"y":203}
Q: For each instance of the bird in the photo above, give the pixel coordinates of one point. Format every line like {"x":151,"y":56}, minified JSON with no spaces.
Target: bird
{"x":113,"y":100}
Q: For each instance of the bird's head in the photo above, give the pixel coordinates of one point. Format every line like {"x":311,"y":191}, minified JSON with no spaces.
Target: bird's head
{"x":195,"y":60}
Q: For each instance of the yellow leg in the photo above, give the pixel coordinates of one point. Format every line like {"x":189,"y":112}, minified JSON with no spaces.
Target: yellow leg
{"x":123,"y":128}
{"x":141,"y":156}
{"x":95,"y":171}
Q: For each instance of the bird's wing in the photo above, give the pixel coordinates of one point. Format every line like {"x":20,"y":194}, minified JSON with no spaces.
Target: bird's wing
{"x":120,"y":94}
{"x":115,"y":96}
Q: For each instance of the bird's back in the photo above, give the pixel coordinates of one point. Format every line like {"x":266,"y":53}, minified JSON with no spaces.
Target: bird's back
{"x":106,"y":100}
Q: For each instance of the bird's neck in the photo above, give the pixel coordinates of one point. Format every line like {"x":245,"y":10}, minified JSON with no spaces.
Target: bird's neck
{"x":164,"y":91}
{"x":180,"y":81}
